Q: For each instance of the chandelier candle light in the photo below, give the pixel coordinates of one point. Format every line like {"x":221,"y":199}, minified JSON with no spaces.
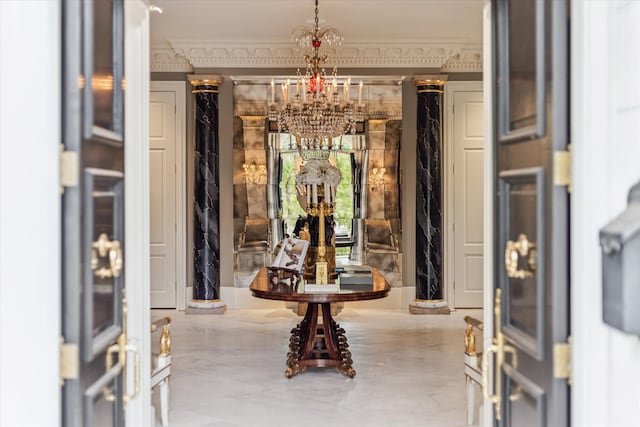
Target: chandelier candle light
{"x":317,"y":113}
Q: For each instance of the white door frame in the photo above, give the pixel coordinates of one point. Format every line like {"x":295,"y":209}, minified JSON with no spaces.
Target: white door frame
{"x":179,"y":88}
{"x":487,"y":71}
{"x":450,"y":89}
{"x":137,"y":281}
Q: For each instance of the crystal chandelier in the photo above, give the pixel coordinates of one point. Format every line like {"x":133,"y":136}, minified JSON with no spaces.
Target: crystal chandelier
{"x":317,"y":113}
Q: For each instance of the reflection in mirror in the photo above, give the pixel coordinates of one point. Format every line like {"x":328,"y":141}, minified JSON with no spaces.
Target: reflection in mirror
{"x":103,"y":256}
{"x":523,"y":291}
{"x":293,"y":201}
{"x":102,"y":79}
{"x":377,"y":140}
{"x":522,"y":64}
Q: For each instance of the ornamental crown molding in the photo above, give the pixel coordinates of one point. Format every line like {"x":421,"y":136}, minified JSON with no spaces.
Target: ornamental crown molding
{"x":165,"y":60}
{"x":187,"y":55}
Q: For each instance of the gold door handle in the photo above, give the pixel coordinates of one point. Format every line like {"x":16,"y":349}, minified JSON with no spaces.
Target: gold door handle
{"x":494,"y":395}
{"x":133,"y":349}
{"x":102,"y":248}
{"x":125,"y":348}
{"x":122,"y":348}
{"x":118,"y":348}
{"x":498,"y":349}
{"x":513,"y":251}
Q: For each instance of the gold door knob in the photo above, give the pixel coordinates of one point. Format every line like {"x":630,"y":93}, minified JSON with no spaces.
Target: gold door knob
{"x":514,"y":250}
{"x":102,"y":248}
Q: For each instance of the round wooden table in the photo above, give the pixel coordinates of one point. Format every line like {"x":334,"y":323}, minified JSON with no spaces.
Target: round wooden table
{"x":317,"y":343}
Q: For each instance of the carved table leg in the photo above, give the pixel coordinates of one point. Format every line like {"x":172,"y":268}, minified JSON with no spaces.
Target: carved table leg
{"x":302,"y":336}
{"x":338,"y":342}
{"x":318,"y":345}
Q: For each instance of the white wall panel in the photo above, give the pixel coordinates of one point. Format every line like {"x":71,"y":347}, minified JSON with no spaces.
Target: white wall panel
{"x":472,"y":168}
{"x":474,"y":271}
{"x":29,"y":213}
{"x":606,"y":149}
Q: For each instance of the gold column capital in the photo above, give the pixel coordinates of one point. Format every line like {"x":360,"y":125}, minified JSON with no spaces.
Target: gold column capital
{"x":430,"y":79}
{"x":253,"y":121}
{"x":430,"y":83}
{"x":377,"y":125}
{"x":378,"y":121}
{"x":210,"y":81}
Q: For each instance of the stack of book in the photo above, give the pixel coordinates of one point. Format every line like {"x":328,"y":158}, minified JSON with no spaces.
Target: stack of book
{"x":356,"y":278}
{"x":311,"y":288}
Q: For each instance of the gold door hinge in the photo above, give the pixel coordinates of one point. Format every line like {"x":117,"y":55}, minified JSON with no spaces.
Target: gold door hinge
{"x":562,"y":168}
{"x":69,"y":166}
{"x":69,"y":368}
{"x":562,"y":360}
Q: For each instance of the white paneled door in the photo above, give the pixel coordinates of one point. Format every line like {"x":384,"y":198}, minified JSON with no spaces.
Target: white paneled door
{"x":162,"y":164}
{"x":468,"y":153}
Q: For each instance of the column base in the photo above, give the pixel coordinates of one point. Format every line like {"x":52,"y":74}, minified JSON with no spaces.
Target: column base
{"x":437,"y":306}
{"x":214,"y":306}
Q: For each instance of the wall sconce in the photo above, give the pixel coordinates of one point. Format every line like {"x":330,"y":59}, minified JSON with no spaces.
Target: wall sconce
{"x":376,"y":178}
{"x":253,"y":173}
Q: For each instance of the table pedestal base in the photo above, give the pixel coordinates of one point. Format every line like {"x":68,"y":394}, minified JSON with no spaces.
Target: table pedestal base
{"x":318,"y":345}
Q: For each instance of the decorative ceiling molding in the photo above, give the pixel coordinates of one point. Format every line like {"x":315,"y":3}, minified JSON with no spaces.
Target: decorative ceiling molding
{"x":166,"y":60}
{"x":188,"y":55}
{"x":466,"y":60}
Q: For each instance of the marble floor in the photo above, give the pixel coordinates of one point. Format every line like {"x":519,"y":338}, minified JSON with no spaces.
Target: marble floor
{"x":228,"y":371}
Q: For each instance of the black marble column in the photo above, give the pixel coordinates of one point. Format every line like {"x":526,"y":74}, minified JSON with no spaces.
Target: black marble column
{"x":429,"y":219}
{"x":206,"y":209}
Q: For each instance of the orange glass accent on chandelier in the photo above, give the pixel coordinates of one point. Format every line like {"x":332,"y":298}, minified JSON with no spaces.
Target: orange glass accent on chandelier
{"x":316,"y":83}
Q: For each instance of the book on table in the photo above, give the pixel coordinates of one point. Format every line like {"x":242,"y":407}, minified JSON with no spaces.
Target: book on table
{"x":321,"y":288}
{"x":291,"y":254}
{"x":357,"y":279}
{"x":354,"y":269}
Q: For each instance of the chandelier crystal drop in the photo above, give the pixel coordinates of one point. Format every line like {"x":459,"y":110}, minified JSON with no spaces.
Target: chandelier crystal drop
{"x":317,"y":112}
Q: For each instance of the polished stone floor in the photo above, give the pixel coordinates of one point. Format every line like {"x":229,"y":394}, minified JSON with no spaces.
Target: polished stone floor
{"x":228,"y":371}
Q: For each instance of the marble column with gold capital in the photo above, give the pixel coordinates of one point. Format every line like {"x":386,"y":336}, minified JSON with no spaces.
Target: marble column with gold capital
{"x":206,"y":220}
{"x":429,"y":219}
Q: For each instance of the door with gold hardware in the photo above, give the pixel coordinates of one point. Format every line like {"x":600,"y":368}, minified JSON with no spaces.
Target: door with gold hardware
{"x":94,"y":343}
{"x":531,"y":219}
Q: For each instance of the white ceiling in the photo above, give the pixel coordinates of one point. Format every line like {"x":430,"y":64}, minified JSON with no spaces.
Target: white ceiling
{"x":256,"y":33}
